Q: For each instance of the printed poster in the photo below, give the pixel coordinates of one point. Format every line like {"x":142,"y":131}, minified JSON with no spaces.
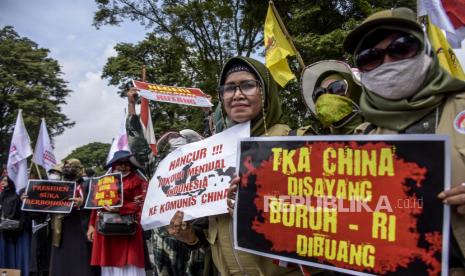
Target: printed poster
{"x":193,"y":178}
{"x":172,"y":94}
{"x":106,"y":190}
{"x":49,"y":196}
{"x":354,"y":204}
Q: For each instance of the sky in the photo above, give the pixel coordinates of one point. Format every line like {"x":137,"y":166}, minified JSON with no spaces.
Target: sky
{"x":65,"y":28}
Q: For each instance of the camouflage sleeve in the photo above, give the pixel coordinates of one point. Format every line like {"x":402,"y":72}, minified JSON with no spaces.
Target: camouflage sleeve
{"x":136,"y":140}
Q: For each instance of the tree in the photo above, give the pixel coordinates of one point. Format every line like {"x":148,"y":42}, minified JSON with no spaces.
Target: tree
{"x":319,"y":27}
{"x":208,"y":32}
{"x":92,"y":155}
{"x":29,"y":80}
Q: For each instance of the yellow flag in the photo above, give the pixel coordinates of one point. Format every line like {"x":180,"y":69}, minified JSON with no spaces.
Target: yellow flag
{"x":446,"y":55}
{"x":277,"y":48}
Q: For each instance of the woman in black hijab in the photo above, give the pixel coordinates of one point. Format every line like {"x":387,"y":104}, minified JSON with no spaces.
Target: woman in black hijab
{"x":14,"y":242}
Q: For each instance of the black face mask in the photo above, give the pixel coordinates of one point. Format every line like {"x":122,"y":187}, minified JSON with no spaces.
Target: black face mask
{"x":70,"y":174}
{"x":7,"y":187}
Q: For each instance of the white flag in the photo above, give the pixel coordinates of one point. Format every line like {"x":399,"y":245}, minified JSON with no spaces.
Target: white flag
{"x":436,"y":13}
{"x":147,"y":128}
{"x":20,"y":150}
{"x":439,"y":17}
{"x":43,"y":154}
{"x":120,"y":142}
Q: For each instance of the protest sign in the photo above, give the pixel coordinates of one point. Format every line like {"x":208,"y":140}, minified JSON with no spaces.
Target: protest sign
{"x":106,"y":190}
{"x":353,"y":204}
{"x":193,"y":178}
{"x":49,"y":196}
{"x":172,"y":94}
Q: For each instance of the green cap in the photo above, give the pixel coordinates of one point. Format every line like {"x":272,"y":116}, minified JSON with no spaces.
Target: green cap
{"x":402,"y":17}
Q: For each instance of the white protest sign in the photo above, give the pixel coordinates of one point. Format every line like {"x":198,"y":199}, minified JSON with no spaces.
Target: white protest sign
{"x":193,"y":178}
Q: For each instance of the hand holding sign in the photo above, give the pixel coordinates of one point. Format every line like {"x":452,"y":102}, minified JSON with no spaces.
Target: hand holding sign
{"x":132,"y":95}
{"x":232,"y":191}
{"x":455,"y":196}
{"x":182,"y":230}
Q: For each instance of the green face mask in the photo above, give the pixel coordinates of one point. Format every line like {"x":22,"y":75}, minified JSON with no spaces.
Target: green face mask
{"x":331,"y":108}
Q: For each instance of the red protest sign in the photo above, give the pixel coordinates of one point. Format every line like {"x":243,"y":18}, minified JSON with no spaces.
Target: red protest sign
{"x":355,"y":206}
{"x":106,"y":190}
{"x":172,"y":94}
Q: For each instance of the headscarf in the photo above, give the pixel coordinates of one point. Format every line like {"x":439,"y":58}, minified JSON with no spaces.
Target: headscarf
{"x":9,"y":200}
{"x":271,"y":106}
{"x":75,"y":167}
{"x":399,"y":114}
{"x":172,"y":140}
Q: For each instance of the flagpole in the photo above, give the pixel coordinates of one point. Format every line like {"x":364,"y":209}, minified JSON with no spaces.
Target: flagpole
{"x":38,"y":171}
{"x":143,"y":73}
{"x":148,"y":167}
{"x":288,"y":36}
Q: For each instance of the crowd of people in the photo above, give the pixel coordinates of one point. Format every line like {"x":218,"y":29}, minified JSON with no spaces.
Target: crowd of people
{"x":398,"y":87}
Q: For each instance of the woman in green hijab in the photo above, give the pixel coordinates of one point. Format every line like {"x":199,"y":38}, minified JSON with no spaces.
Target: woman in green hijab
{"x":247,"y":93}
{"x":406,"y":91}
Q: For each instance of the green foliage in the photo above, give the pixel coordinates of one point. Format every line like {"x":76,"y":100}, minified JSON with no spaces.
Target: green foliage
{"x":319,"y":27}
{"x":29,"y":80}
{"x":208,"y":32}
{"x":92,"y":155}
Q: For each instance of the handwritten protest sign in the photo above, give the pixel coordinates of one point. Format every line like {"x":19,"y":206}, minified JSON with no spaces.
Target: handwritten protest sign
{"x":194,"y":178}
{"x":49,"y":196}
{"x":355,"y":204}
{"x":105,"y":190}
{"x":172,"y":94}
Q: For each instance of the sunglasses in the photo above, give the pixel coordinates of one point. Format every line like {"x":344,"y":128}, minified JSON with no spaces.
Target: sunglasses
{"x":339,"y":87}
{"x":122,"y":162}
{"x":247,"y":87}
{"x":403,"y":47}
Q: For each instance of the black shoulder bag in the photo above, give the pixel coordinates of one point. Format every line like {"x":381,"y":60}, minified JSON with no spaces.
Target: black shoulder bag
{"x":111,"y":224}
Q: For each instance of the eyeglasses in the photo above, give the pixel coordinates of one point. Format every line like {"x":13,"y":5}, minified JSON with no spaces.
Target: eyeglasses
{"x":339,"y":87}
{"x":247,"y":87}
{"x":403,"y":47}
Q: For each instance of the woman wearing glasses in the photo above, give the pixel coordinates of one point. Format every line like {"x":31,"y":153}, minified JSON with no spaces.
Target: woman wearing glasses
{"x":331,"y":92}
{"x":248,"y":93}
{"x":406,"y":91}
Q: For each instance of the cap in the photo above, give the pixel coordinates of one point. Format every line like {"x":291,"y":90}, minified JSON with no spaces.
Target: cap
{"x":402,"y":17}
{"x":314,"y":73}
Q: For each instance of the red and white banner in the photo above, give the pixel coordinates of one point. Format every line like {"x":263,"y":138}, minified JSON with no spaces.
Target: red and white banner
{"x":120,"y":142}
{"x":147,"y":126}
{"x":447,"y":15}
{"x":193,"y":178}
{"x":172,"y":94}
